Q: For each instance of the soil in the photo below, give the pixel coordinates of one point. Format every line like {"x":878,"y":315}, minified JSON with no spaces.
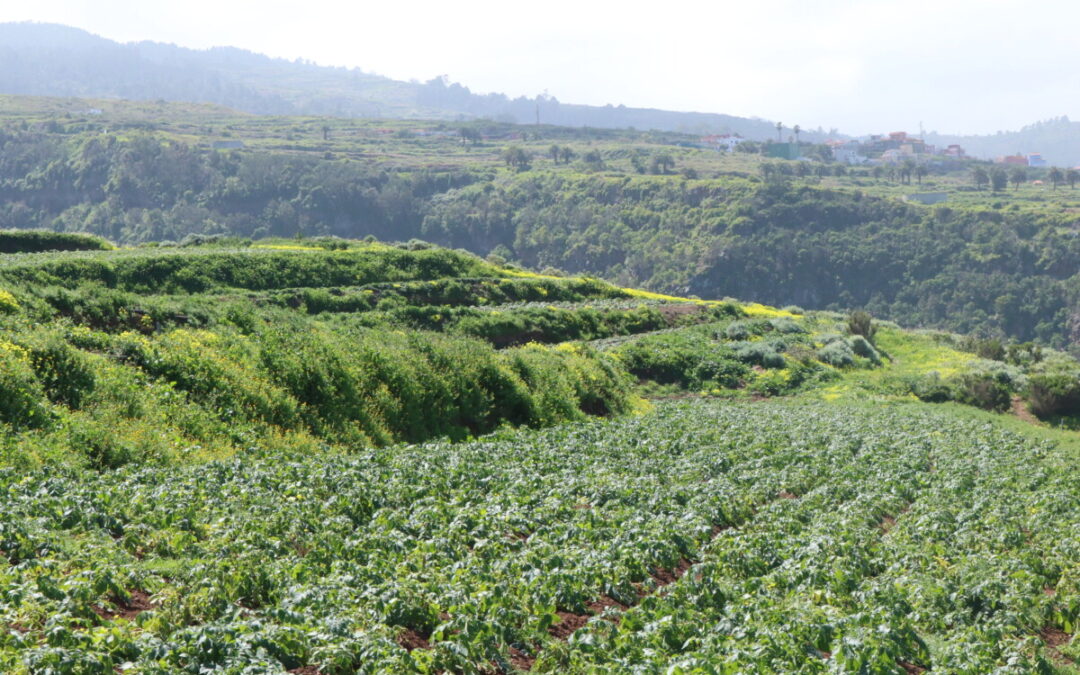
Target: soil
{"x":410,"y":640}
{"x":671,"y":313}
{"x":139,"y":603}
{"x":521,"y":660}
{"x":604,"y":603}
{"x":568,"y":623}
{"x":911,"y":668}
{"x":887,"y":524}
{"x":1054,"y":638}
{"x":784,"y":494}
{"x":664,"y":577}
{"x":1021,"y":411}
{"x":306,"y":670}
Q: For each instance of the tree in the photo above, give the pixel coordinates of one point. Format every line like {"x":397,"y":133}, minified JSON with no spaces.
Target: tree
{"x":555,"y":152}
{"x":1072,"y":176}
{"x":877,"y":172}
{"x":1056,"y":177}
{"x":999,"y":180}
{"x":469,"y":135}
{"x":516,"y":158}
{"x":980,"y":177}
{"x":326,"y":132}
{"x":796,"y":129}
{"x":906,"y":169}
{"x":1018,"y":176}
{"x":663,"y":163}
{"x":779,"y":132}
{"x":568,"y":155}
{"x":920,"y":172}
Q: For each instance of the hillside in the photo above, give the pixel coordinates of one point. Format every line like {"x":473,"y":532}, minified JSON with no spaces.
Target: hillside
{"x":643,"y":209}
{"x":201,"y":469}
{"x":53,"y":60}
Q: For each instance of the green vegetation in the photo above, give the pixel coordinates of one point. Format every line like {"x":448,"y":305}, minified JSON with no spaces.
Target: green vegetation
{"x":203,"y":467}
{"x":642,"y":209}
{"x":765,"y":537}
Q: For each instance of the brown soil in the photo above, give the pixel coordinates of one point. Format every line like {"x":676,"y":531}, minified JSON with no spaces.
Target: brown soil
{"x":520,"y":536}
{"x":671,"y":313}
{"x":911,"y":668}
{"x":664,"y":577}
{"x":1054,"y":638}
{"x":582,"y":506}
{"x":886,"y":524}
{"x":567,"y":624}
{"x":521,"y":660}
{"x":717,"y":529}
{"x":410,"y":640}
{"x":139,"y":603}
{"x":1021,"y":411}
{"x":306,"y":670}
{"x":603,"y":603}
{"x":784,"y":494}
{"x":1049,"y":590}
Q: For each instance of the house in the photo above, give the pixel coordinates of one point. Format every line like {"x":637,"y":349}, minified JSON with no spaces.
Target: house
{"x":848,"y":153}
{"x":1018,"y":160}
{"x":723,"y":142}
{"x":1036,"y":159}
{"x":954,"y":150}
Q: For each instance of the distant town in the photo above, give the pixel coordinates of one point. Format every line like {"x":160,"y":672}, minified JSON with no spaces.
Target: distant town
{"x":878,"y":149}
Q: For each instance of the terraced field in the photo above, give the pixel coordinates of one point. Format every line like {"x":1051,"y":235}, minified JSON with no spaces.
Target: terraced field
{"x":704,"y":537}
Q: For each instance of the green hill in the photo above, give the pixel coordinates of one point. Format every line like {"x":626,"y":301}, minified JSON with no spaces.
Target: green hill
{"x":640,"y":209}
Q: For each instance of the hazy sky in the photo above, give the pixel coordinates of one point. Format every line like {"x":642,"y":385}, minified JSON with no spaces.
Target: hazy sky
{"x":974,"y":66}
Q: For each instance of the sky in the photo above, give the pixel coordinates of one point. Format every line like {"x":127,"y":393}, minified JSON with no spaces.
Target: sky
{"x":860,"y":66}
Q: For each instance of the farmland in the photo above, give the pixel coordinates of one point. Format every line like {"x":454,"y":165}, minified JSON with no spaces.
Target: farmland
{"x":332,"y":456}
{"x":705,"y":536}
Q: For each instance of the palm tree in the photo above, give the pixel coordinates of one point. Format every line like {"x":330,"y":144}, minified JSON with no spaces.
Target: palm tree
{"x":1072,"y":176}
{"x":920,"y":173}
{"x":796,"y":129}
{"x":779,"y":132}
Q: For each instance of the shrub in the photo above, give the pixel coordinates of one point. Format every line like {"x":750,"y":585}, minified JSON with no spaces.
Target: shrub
{"x":737,"y":330}
{"x":762,"y":354}
{"x":1054,"y":394}
{"x":8,"y":303}
{"x":838,"y":354}
{"x":21,"y":395}
{"x":982,"y":390}
{"x":786,"y":326}
{"x":861,"y":323}
{"x":862,"y":347}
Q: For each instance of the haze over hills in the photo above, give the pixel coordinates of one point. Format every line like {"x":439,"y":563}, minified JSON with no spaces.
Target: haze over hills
{"x":54,"y":60}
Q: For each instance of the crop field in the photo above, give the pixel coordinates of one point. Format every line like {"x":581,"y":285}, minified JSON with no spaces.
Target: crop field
{"x":384,"y":459}
{"x":703,"y":537}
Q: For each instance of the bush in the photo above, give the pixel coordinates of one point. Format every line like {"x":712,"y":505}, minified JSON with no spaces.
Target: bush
{"x":786,"y":326}
{"x":862,"y":347}
{"x":762,"y":354}
{"x":983,"y":391}
{"x":1054,"y":394}
{"x":21,"y":395}
{"x":861,"y":323}
{"x":837,"y":354}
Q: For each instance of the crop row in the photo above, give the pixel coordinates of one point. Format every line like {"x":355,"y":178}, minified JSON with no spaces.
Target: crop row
{"x":707,"y":537}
